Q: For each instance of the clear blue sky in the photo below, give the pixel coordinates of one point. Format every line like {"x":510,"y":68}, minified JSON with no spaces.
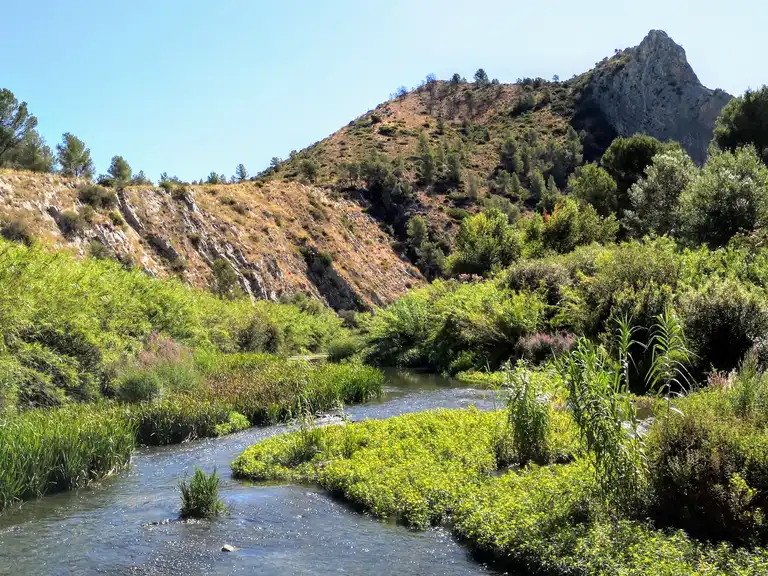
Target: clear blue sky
{"x":190,"y":86}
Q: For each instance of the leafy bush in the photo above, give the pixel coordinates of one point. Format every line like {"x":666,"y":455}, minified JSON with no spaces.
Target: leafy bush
{"x":200,"y":496}
{"x":72,"y":223}
{"x":140,"y":386}
{"x":723,"y":320}
{"x":17,"y":231}
{"x":485,"y":242}
{"x":729,"y":196}
{"x":96,"y":196}
{"x":343,"y":348}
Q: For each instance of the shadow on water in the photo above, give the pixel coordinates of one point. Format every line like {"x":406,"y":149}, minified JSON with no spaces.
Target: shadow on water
{"x":280,"y":529}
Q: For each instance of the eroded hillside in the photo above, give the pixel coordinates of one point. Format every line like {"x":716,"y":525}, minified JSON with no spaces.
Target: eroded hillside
{"x":279,"y":238}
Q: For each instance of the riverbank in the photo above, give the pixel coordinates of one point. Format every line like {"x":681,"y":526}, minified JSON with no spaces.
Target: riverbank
{"x":552,"y":516}
{"x":55,"y":449}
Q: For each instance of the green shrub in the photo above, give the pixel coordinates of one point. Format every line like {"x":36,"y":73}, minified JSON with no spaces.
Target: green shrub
{"x":17,"y":231}
{"x":235,"y":423}
{"x":140,"y":386}
{"x":97,"y":196}
{"x":72,"y":223}
{"x":343,"y":348}
{"x":200,"y":496}
{"x":723,"y":320}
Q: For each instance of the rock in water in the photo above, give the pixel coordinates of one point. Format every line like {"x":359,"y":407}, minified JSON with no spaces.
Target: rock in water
{"x":229,"y":548}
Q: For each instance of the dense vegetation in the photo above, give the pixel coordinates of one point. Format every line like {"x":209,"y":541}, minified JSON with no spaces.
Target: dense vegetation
{"x":95,"y":358}
{"x":649,"y":277}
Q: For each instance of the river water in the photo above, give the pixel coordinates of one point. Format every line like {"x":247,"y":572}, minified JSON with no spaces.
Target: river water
{"x":280,"y":529}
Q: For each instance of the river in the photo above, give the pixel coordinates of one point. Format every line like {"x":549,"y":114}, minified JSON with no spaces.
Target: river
{"x":108,"y":527}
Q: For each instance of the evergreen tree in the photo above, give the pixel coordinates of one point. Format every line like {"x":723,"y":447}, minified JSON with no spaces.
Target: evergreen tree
{"x":744,"y":120}
{"x":119,"y":170}
{"x":74,"y":158}
{"x":241,"y":173}
{"x":593,"y":185}
{"x":537,"y":185}
{"x":481,"y":78}
{"x":15,"y":122}
{"x":427,"y":162}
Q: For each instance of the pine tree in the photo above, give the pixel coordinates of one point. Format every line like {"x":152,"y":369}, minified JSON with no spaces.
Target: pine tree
{"x":241,"y":173}
{"x":119,"y":170}
{"x":74,"y":157}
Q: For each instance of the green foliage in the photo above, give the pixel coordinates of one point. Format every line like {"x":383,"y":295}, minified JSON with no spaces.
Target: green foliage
{"x":48,"y":451}
{"x":416,"y":468}
{"x":625,"y":160}
{"x":200,"y":496}
{"x":729,"y":196}
{"x":593,"y":185}
{"x":15,"y":123}
{"x":97,"y":196}
{"x":139,"y":386}
{"x":744,"y":122}
{"x":225,"y":281}
{"x":74,"y":158}
{"x":451,"y":326}
{"x":309,"y":168}
{"x":529,"y":411}
{"x":427,"y":163}
{"x":571,"y":225}
{"x":120,"y":170}
{"x":485,"y":242}
{"x":655,"y":196}
{"x":343,"y":348}
{"x":17,"y":231}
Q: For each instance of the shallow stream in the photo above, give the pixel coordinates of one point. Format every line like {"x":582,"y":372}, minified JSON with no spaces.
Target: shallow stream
{"x":280,"y":529}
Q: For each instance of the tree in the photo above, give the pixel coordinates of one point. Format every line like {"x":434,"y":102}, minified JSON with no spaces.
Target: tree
{"x":537,"y":185}
{"x":241,"y":173}
{"x":481,"y":78}
{"x":15,"y":122}
{"x":309,"y":169}
{"x":453,"y":168}
{"x":473,"y":188}
{"x":655,"y":197}
{"x":427,"y":162}
{"x":119,"y":169}
{"x":509,"y":156}
{"x":626,"y":160}
{"x":275,"y":163}
{"x":32,"y":153}
{"x":456,"y":79}
{"x":729,"y":196}
{"x":572,"y":225}
{"x":141,"y":179}
{"x":593,"y":185}
{"x":417,"y":231}
{"x":74,"y":158}
{"x":502,"y":184}
{"x":550,"y":198}
{"x":485,"y":242}
{"x":744,"y":120}
{"x":213,"y":178}
{"x":225,"y":282}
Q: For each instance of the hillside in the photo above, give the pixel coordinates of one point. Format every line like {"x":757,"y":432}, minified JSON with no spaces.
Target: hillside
{"x":279,"y":238}
{"x":332,"y":220}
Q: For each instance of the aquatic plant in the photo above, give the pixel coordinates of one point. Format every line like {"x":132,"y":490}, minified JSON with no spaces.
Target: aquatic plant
{"x":200,"y":496}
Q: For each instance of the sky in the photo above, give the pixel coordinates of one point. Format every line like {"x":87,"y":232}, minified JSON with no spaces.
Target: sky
{"x":191,"y":86}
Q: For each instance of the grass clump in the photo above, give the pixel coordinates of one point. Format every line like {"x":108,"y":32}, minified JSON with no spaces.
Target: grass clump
{"x":200,"y":496}
{"x":45,"y":451}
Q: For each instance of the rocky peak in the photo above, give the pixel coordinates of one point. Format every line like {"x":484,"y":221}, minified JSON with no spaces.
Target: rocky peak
{"x":653,"y":89}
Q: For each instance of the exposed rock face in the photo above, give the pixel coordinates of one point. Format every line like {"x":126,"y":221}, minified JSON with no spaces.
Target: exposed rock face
{"x":652,"y":89}
{"x":184,"y":233}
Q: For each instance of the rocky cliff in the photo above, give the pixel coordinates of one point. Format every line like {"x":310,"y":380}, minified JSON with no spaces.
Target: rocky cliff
{"x":652,"y":89}
{"x":279,"y":238}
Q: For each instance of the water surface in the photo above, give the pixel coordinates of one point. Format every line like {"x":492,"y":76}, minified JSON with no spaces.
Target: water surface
{"x":280,"y":529}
